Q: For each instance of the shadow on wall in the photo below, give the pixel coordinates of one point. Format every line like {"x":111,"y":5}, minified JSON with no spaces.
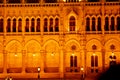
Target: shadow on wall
{"x":113,"y":73}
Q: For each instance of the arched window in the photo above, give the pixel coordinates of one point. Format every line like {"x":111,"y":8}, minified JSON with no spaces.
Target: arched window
{"x":99,"y":24}
{"x":106,"y":24}
{"x":112,"y":60}
{"x":118,"y":23}
{"x":14,"y":1}
{"x":51,"y":25}
{"x":27,"y":25}
{"x":56,"y":25}
{"x":112,"y":24}
{"x":94,"y":63}
{"x":50,"y":1}
{"x":93,"y":24}
{"x":32,"y":1}
{"x":8,"y":25}
{"x":72,"y":23}
{"x":20,"y":25}
{"x":45,"y":25}
{"x":1,"y":1}
{"x":1,"y":25}
{"x":38,"y":25}
{"x":33,"y":25}
{"x":14,"y":25}
{"x":87,"y":24}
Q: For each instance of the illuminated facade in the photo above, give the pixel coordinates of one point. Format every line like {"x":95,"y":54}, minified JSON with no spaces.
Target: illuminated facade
{"x":65,"y":38}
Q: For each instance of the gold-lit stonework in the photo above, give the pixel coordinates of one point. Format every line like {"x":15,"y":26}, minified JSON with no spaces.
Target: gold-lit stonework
{"x":58,"y":38}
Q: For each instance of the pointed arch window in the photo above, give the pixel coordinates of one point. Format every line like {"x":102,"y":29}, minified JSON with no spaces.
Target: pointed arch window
{"x":45,"y":25}
{"x":32,"y":1}
{"x":112,"y":60}
{"x":118,"y":23}
{"x":99,"y":24}
{"x":1,"y":25}
{"x":38,"y":25}
{"x":56,"y":25}
{"x":94,"y":63}
{"x":14,"y":25}
{"x":112,"y":24}
{"x":32,"y":25}
{"x":20,"y":25}
{"x":72,"y":23}
{"x":8,"y":25}
{"x":27,"y":25}
{"x":106,"y":24}
{"x":51,"y":25}
{"x":87,"y":24}
{"x":14,"y":1}
{"x":93,"y":24}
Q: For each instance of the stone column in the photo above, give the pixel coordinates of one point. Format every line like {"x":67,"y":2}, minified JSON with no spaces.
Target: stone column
{"x":5,"y":61}
{"x":42,"y":52}
{"x":103,"y":59}
{"x":61,"y":68}
{"x":102,"y":18}
{"x":23,"y":61}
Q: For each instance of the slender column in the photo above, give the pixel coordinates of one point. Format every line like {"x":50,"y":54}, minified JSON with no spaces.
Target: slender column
{"x":5,"y":61}
{"x":42,"y":52}
{"x":23,"y":1}
{"x":23,"y":61}
{"x":103,"y":59}
{"x":61,"y":69}
{"x":103,"y":17}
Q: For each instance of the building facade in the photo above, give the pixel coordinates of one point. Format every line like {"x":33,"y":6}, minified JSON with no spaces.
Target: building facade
{"x":65,"y":38}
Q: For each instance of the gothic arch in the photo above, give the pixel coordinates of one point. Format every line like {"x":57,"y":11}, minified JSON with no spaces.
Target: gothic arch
{"x":70,"y":43}
{"x":32,"y":46}
{"x":92,"y":42}
{"x":13,"y":46}
{"x":114,"y":42}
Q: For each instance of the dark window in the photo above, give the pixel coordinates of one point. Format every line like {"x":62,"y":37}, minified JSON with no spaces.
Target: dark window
{"x":38,"y":25}
{"x":118,"y":23}
{"x":20,"y":25}
{"x":92,"y":61}
{"x":1,"y":1}
{"x":45,"y":25}
{"x":72,"y":23}
{"x":93,"y":0}
{"x":51,"y":25}
{"x":32,"y":1}
{"x":96,"y":61}
{"x":1,"y":25}
{"x":75,"y":61}
{"x":93,"y":24}
{"x":56,"y":25}
{"x":27,"y":25}
{"x":106,"y":24}
{"x":111,"y":0}
{"x":99,"y":24}
{"x":8,"y":25}
{"x":87,"y":24}
{"x":33,"y":25}
{"x":112,"y":24}
{"x":50,"y":1}
{"x":112,"y":60}
{"x":14,"y":1}
{"x":71,"y":61}
{"x":14,"y":25}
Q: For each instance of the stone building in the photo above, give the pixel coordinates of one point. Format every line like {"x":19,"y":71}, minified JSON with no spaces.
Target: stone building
{"x":65,"y":38}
